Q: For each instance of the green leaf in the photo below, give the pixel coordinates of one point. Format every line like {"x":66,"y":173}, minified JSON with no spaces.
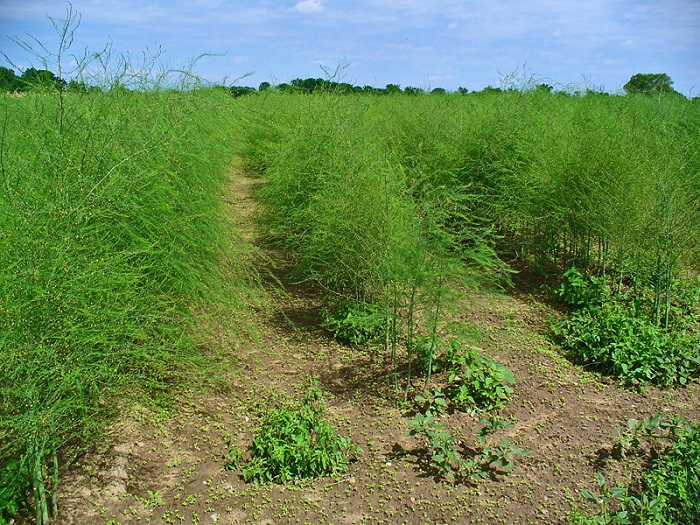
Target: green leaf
{"x":601,"y":479}
{"x":590,"y":497}
{"x":618,"y":492}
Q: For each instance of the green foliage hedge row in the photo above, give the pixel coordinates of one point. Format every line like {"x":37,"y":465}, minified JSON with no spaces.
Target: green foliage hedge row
{"x":606,"y":183}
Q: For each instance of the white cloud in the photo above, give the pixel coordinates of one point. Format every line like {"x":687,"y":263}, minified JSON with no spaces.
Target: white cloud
{"x":309,"y":6}
{"x":437,"y":78}
{"x":453,"y":25}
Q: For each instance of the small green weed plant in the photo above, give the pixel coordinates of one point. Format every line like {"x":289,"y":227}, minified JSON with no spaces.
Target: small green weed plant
{"x":670,"y":492}
{"x":629,"y":439}
{"x":453,"y":464}
{"x":477,"y":383}
{"x":605,"y":501}
{"x":612,"y":334}
{"x":674,"y":478}
{"x":356,"y":323}
{"x":295,"y":441}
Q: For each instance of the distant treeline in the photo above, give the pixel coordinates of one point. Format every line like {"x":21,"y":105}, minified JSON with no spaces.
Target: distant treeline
{"x":639,"y":83}
{"x":312,"y":85}
{"x":32,"y":79}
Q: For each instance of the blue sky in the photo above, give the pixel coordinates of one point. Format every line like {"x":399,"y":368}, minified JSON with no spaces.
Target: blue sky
{"x":442,"y":43}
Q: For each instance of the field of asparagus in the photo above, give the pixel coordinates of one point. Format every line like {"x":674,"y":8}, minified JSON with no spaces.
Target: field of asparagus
{"x":349,"y":308}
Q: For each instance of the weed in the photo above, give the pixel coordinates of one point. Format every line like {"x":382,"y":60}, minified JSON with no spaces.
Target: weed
{"x":670,"y":489}
{"x":295,"y":441}
{"x":154,"y":499}
{"x":577,"y":291}
{"x":235,"y":457}
{"x":358,"y":324}
{"x":477,"y":383}
{"x":606,"y":515}
{"x":629,"y":438}
{"x":674,"y":478}
{"x":609,"y":333}
{"x":433,"y":402}
{"x":454,"y":465}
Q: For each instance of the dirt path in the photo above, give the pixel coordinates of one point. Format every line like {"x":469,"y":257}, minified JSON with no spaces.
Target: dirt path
{"x":169,"y":468}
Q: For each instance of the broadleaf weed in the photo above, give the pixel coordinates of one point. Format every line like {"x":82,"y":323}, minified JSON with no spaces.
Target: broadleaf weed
{"x":294,"y":441}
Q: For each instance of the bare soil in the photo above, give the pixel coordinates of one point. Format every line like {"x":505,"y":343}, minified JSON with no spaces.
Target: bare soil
{"x":163,"y":467}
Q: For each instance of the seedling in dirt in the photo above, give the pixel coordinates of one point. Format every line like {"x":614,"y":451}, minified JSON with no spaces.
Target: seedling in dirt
{"x":434,"y":402}
{"x":154,"y":499}
{"x":454,"y":465}
{"x":235,"y":457}
{"x":505,"y":452}
{"x":629,"y":439}
{"x":605,"y":500}
{"x":445,"y":458}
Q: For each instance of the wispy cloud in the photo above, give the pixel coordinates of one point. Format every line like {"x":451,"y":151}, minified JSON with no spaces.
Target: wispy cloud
{"x":309,"y":6}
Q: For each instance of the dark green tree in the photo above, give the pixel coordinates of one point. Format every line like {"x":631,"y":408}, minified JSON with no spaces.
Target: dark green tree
{"x":239,"y":91}
{"x":8,"y":80}
{"x":41,"y":79}
{"x":264,"y":86}
{"x":649,"y":83}
{"x":409,"y":90}
{"x":308,"y":85}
